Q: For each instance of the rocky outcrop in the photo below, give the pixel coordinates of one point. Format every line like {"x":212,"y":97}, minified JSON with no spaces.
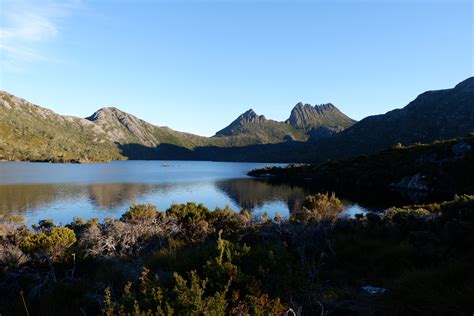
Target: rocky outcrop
{"x":460,"y":150}
{"x":251,"y":117}
{"x":417,"y":182}
{"x":306,"y":116}
{"x":121,"y":127}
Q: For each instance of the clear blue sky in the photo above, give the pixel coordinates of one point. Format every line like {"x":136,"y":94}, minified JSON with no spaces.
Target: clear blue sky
{"x":196,"y":65}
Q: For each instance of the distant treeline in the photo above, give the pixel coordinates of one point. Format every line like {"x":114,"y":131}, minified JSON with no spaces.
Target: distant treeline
{"x":444,"y":166}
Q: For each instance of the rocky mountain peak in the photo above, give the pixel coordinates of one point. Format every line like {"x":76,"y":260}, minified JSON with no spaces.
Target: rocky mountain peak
{"x":247,"y":117}
{"x":251,"y":117}
{"x":121,"y":126}
{"x":107,"y":113}
{"x":306,"y":116}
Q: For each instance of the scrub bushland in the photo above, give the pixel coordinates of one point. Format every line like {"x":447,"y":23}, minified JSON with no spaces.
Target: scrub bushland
{"x":189,"y":260}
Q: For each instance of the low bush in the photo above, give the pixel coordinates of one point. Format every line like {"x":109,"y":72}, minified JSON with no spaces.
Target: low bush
{"x":52,"y":242}
{"x":140,"y":213}
{"x":319,"y":207}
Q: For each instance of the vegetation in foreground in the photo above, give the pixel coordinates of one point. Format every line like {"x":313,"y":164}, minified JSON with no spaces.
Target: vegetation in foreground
{"x":189,"y":260}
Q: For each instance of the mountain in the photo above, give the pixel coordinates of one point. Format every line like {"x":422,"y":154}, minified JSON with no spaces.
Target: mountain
{"x":433,"y":115}
{"x":30,"y":132}
{"x":124,"y":128}
{"x":305,"y":121}
{"x":307,"y":117}
{"x":260,"y":130}
{"x":237,"y":126}
{"x":311,"y":133}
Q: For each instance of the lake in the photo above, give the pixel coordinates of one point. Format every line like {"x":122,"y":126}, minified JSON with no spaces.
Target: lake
{"x":64,"y":191}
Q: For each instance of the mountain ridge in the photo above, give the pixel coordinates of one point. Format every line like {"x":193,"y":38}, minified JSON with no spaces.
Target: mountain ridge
{"x":30,"y":132}
{"x":121,"y":134}
{"x":432,"y":115}
{"x":327,"y":119}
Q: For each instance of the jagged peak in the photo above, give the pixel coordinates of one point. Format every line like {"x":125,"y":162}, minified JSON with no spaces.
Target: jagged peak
{"x":301,"y":105}
{"x":248,"y":116}
{"x":326,"y":106}
{"x":305,"y":115}
{"x":323,"y":106}
{"x":251,"y":116}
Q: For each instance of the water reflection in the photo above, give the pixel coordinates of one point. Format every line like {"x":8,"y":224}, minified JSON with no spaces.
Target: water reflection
{"x":125,"y":183}
{"x":254,"y":194}
{"x":111,"y":195}
{"x":57,"y":201}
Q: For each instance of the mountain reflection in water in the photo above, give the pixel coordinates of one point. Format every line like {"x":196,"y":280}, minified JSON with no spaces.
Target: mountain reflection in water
{"x":62,"y":192}
{"x":62,"y":202}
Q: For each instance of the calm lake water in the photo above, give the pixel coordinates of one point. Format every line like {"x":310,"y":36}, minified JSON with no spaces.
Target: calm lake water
{"x":64,"y":191}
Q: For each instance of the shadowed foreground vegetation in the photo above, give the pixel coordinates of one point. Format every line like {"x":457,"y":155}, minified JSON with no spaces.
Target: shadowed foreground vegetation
{"x":189,"y":260}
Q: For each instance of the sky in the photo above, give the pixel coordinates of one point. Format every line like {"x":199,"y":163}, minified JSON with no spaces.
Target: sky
{"x":196,"y":65}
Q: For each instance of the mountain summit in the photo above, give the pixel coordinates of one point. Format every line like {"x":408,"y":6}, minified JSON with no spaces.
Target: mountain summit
{"x":251,"y":117}
{"x":236,"y":126}
{"x":306,"y":116}
{"x":319,"y":121}
{"x":123,"y":128}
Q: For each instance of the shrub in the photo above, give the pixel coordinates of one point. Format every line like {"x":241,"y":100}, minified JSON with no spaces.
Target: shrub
{"x":401,"y":215}
{"x":319,"y":207}
{"x":53,"y":242}
{"x":140,"y":213}
{"x":193,"y":220}
{"x":44,"y":224}
{"x":189,"y":212}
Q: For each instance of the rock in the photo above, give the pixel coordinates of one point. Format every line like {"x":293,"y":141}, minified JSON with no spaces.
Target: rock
{"x":460,"y":150}
{"x":251,"y":117}
{"x":248,"y":117}
{"x":373,"y":290}
{"x":416,"y":182}
{"x":305,"y":116}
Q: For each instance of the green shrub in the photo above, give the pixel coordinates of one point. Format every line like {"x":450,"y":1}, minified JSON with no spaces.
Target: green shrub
{"x":404,"y":215}
{"x":54,"y":242}
{"x":319,"y":207}
{"x":189,"y":212}
{"x":140,"y":213}
{"x":193,"y":219}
